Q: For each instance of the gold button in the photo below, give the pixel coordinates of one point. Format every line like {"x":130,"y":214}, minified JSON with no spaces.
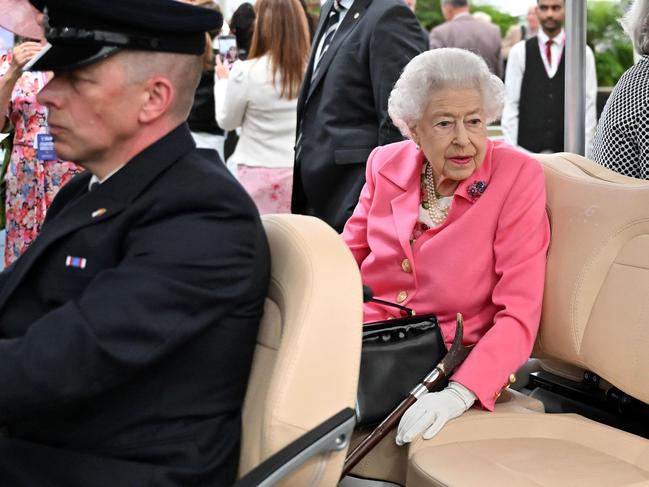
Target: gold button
{"x":401,"y":297}
{"x":405,"y":265}
{"x":512,"y":378}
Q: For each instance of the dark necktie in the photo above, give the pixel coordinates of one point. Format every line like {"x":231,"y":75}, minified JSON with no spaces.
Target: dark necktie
{"x":548,"y":52}
{"x":332,"y":25}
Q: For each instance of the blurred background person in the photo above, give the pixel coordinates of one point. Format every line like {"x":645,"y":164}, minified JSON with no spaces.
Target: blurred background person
{"x":412,"y":4}
{"x":34,"y":174}
{"x":242,"y":25}
{"x":533,"y":116}
{"x":484,"y":16}
{"x":622,"y":139}
{"x":520,"y":32}
{"x":202,"y":119}
{"x":465,"y":31}
{"x":260,"y":96}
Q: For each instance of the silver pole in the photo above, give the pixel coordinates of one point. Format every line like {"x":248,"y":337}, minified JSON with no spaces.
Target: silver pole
{"x":575,"y":91}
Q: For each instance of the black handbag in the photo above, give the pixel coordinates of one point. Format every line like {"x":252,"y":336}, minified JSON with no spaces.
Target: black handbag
{"x":396,"y":355}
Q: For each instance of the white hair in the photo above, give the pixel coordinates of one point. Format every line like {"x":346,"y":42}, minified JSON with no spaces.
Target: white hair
{"x":439,"y":69}
{"x":484,"y":16}
{"x":636,"y":24}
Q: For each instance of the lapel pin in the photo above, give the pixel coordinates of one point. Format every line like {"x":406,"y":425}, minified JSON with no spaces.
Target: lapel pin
{"x":476,"y":189}
{"x":98,"y":212}
{"x":77,"y":262}
{"x":356,"y":15}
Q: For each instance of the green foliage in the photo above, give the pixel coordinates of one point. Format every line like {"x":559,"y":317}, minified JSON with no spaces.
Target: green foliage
{"x":611,"y":46}
{"x":429,"y":13}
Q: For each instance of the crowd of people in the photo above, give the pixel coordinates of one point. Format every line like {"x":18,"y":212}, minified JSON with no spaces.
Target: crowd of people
{"x":261,"y":96}
{"x":137,"y":261}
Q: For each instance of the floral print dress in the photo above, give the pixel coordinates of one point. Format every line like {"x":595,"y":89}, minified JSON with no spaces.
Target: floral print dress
{"x":31,"y":183}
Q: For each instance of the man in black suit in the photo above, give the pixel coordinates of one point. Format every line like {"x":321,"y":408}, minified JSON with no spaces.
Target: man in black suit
{"x":127,"y":328}
{"x":359,"y":50}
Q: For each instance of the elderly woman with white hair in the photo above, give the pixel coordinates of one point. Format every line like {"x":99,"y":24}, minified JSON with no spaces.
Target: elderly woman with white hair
{"x":450,"y":221}
{"x":622,"y":137}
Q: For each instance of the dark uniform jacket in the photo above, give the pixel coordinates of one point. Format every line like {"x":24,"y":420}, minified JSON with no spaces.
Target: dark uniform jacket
{"x":127,"y":328}
{"x":342,"y":111}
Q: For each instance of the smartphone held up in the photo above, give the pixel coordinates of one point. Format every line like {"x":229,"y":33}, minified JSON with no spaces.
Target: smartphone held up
{"x":226,"y":49}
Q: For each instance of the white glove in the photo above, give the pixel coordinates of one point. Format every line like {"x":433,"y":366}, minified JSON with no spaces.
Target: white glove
{"x":432,"y":411}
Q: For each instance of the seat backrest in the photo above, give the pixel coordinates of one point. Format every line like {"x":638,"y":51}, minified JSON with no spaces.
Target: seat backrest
{"x":596,"y":303}
{"x":307,"y":358}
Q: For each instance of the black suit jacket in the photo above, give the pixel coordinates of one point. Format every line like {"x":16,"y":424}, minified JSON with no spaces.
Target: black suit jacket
{"x":342,"y":111}
{"x":129,"y":367}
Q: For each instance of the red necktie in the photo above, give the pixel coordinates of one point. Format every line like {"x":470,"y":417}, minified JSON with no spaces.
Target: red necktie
{"x":548,"y":52}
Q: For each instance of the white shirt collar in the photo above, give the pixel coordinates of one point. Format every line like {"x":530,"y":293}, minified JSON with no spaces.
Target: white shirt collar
{"x":94,"y":179}
{"x":559,"y":39}
{"x":346,"y":4}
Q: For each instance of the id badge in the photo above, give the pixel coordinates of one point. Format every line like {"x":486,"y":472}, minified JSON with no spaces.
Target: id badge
{"x":45,"y":147}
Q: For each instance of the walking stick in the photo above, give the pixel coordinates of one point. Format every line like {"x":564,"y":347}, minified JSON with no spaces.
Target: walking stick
{"x":454,"y":357}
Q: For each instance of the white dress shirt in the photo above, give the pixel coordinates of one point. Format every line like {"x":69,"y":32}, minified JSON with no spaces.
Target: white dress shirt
{"x":95,"y":180}
{"x":345,"y":5}
{"x":514,"y":79}
{"x":556,"y":48}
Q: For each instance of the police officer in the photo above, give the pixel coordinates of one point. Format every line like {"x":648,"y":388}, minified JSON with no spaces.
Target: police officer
{"x":127,"y":328}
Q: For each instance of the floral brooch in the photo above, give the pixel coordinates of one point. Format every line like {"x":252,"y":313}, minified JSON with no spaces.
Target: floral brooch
{"x":476,"y":189}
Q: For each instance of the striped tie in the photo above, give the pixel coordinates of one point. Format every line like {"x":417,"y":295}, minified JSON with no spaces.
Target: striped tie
{"x":332,"y":24}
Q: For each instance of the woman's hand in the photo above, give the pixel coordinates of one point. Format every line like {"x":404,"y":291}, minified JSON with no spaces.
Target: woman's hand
{"x":221,"y":70}
{"x":432,"y":411}
{"x":22,"y":54}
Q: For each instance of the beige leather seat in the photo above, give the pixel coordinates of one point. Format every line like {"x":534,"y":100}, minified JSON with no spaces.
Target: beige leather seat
{"x":595,"y":317}
{"x":306,"y":363}
{"x":388,"y":462}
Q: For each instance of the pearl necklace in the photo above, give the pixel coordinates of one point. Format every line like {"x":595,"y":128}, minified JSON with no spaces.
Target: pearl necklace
{"x":436,"y":213}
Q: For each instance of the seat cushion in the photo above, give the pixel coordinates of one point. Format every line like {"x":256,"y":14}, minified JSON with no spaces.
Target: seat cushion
{"x":388,"y":462}
{"x":537,"y":450}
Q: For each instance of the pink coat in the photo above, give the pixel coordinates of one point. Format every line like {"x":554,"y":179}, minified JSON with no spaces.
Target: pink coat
{"x":487,"y":260}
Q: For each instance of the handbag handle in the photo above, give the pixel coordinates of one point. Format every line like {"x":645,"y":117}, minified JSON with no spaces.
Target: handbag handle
{"x":368,"y":295}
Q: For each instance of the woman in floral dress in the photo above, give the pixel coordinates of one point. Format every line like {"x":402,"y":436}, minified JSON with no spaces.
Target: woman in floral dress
{"x":31,"y":182}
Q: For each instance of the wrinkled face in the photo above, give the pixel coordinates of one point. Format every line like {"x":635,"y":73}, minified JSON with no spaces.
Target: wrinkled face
{"x":551,"y":14}
{"x":452,"y":133}
{"x":92,"y":111}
